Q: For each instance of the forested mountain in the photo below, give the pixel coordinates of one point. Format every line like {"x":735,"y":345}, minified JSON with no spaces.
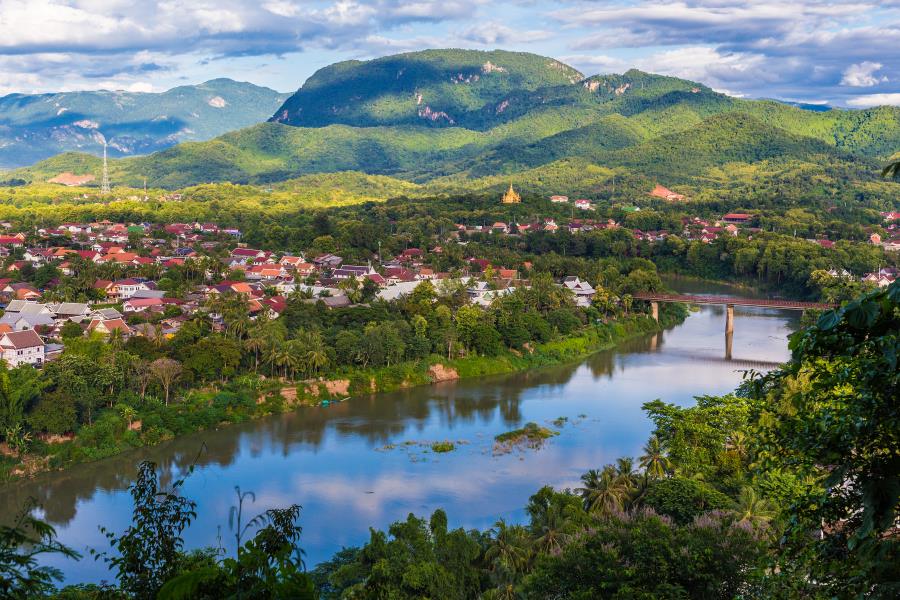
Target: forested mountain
{"x":442,"y":117}
{"x":37,"y":126}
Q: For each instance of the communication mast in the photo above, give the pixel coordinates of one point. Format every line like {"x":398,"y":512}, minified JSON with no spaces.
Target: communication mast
{"x":104,"y":182}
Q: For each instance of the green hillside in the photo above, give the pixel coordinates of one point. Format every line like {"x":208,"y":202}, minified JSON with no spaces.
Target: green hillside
{"x":644,"y":128}
{"x":432,"y":87}
{"x":37,"y":126}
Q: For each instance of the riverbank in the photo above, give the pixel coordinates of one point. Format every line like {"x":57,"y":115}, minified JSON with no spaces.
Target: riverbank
{"x":248,"y":397}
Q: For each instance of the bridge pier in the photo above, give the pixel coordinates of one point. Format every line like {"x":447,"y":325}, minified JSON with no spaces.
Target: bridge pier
{"x":654,"y":311}
{"x":729,"y":339}
{"x":729,"y":318}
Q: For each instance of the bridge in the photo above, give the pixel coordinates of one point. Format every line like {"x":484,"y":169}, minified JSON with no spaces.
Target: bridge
{"x":729,"y":302}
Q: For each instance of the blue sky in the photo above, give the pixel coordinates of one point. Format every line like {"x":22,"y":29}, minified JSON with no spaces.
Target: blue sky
{"x":841,"y":53}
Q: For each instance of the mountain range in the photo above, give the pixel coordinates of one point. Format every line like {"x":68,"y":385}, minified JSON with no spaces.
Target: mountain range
{"x":37,"y":126}
{"x":451,"y":119}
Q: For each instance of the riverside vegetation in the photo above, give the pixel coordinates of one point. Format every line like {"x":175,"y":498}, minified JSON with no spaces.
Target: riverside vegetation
{"x":141,"y":391}
{"x":116,"y":394}
{"x":787,"y":488}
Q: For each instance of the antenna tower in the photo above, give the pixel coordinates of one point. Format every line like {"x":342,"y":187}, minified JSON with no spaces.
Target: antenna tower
{"x":104,"y":182}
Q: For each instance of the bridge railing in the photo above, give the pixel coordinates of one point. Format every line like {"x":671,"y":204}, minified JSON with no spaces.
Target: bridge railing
{"x":764,"y":302}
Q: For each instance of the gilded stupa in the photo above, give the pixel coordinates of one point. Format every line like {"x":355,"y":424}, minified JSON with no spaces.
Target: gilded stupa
{"x":511,"y":197}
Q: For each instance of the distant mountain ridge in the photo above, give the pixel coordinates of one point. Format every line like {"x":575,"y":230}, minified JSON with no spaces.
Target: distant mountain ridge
{"x":452,"y":116}
{"x":37,"y":126}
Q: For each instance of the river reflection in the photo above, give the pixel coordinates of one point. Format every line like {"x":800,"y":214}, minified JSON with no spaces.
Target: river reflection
{"x":333,"y":459}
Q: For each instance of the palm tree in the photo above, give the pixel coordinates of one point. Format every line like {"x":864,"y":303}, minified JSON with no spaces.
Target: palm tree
{"x":753,"y":509}
{"x":552,"y":536}
{"x":508,"y":551}
{"x":116,"y":340}
{"x":316,"y":359}
{"x":654,"y":460}
{"x":625,"y":470}
{"x":603,"y":491}
{"x":737,"y":443}
{"x":239,"y":326}
{"x":255,"y":343}
{"x":287,"y":359}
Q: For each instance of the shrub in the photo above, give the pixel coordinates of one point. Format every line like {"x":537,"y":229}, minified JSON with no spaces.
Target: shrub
{"x":684,"y":499}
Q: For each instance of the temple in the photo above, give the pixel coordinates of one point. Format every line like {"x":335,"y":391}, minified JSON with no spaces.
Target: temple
{"x":511,"y":197}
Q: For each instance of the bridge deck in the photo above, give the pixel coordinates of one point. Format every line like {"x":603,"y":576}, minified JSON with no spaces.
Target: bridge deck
{"x":760,"y":302}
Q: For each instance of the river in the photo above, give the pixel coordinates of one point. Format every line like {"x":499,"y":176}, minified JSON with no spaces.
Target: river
{"x":366,"y":462}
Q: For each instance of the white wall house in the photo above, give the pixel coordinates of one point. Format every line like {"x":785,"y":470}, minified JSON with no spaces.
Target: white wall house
{"x":22,"y":347}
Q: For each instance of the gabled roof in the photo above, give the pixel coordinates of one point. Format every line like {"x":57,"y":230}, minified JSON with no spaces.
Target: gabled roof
{"x":21,"y":339}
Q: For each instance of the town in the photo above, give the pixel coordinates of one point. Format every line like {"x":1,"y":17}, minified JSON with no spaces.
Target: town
{"x":136,"y":297}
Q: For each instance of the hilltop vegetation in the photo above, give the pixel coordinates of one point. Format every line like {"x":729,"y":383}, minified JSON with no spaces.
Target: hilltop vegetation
{"x":37,"y":126}
{"x":529,"y":120}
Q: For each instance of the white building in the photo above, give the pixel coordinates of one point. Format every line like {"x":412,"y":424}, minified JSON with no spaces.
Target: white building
{"x":22,"y":347}
{"x":584,"y":291}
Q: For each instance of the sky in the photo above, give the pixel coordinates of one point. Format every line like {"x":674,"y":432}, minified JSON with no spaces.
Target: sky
{"x":839,"y":53}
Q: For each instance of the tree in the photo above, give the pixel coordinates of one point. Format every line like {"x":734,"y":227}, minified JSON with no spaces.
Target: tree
{"x":604,"y":491}
{"x":684,"y":499}
{"x":149,"y":551}
{"x":22,"y":543}
{"x":141,"y":374}
{"x":18,"y":387}
{"x":70,"y":329}
{"x":753,"y":509}
{"x":654,"y":460}
{"x":641,"y":555}
{"x":830,"y":416}
{"x":166,"y":371}
{"x":507,"y":555}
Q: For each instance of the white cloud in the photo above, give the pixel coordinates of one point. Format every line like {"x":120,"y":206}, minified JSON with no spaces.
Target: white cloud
{"x":140,"y":86}
{"x":862,"y":75}
{"x":282,"y":8}
{"x":871,"y":100}
{"x":706,"y":65}
{"x":493,"y":33}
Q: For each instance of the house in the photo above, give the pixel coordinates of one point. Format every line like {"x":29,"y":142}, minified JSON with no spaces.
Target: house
{"x":666,"y":194}
{"x":483,"y":293}
{"x":13,"y":241}
{"x":22,"y":291}
{"x":148,"y":294}
{"x":124,"y":289}
{"x":737,"y":218}
{"x":69,"y":311}
{"x":292,"y":261}
{"x":136,"y":305}
{"x":583,"y":204}
{"x":882,"y":278}
{"x":559,"y":199}
{"x":328,"y":261}
{"x":22,"y":347}
{"x":499,"y":227}
{"x":107,"y":327}
{"x":411,"y":254}
{"x":245,"y":254}
{"x":352,"y":272}
{"x":21,"y":321}
{"x":394,"y":275}
{"x":106,"y":314}
{"x":584,"y":291}
{"x":266,"y":271}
